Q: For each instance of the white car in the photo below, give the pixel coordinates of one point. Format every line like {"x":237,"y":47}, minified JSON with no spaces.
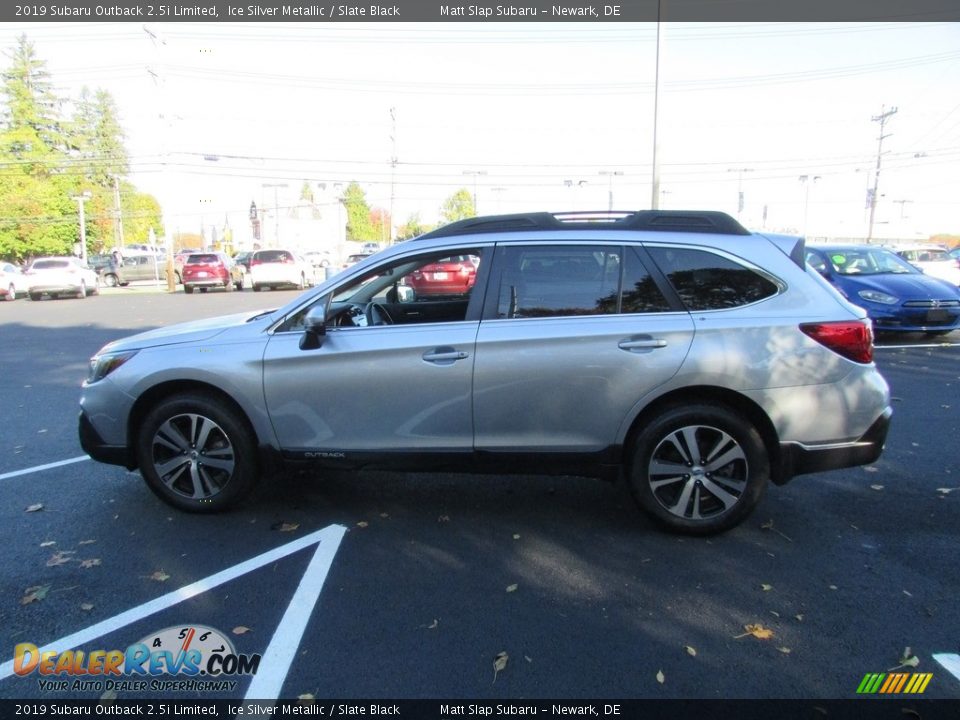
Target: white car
{"x":55,"y":276}
{"x":933,"y":260}
{"x":12,"y":281}
{"x":279,"y":268}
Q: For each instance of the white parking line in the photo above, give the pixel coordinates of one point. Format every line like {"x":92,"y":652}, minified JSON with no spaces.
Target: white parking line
{"x":48,"y":466}
{"x":329,"y":540}
{"x":268,"y":682}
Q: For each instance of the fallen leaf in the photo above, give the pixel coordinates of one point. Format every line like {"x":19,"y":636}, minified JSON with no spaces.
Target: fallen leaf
{"x":784,"y":650}
{"x":499,"y":663}
{"x":799,"y":618}
{"x":907,"y":593}
{"x":512,"y":588}
{"x":769,"y":526}
{"x":59,"y":558}
{"x":48,"y":543}
{"x":306,"y":697}
{"x":384,"y":515}
{"x":833,"y":587}
{"x":517,"y":537}
{"x":528,"y":658}
{"x":946,"y":491}
{"x":34,"y":508}
{"x":443,"y":518}
{"x":240,"y":630}
{"x":908,"y":659}
{"x":288,"y":527}
{"x":766,"y":588}
{"x":86,"y":606}
{"x":86,"y":542}
{"x":758,"y":631}
{"x":38,"y":592}
{"x":871,"y":468}
{"x":160,"y":576}
{"x":876,"y":487}
{"x":363,"y":524}
{"x":660,"y":677}
{"x":692,"y":652}
{"x":433,"y":625}
{"x":92,"y":562}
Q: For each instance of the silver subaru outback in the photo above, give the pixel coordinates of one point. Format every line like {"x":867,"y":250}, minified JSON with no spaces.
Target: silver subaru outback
{"x":697,"y":359}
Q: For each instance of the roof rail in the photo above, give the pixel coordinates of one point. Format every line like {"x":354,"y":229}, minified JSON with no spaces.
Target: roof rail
{"x":694,"y":221}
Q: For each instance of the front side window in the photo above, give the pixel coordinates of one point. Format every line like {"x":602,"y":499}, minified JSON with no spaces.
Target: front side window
{"x":573,"y":280}
{"x":707,"y":281}
{"x":433,"y":287}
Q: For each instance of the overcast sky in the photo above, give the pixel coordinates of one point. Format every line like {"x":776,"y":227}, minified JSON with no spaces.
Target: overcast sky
{"x":533,"y":116}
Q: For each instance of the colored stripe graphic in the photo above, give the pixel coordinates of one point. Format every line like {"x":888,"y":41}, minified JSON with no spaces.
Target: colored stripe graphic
{"x":894,"y":683}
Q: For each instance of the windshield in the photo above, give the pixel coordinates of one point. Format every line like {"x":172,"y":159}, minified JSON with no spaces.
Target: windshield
{"x":867,"y":261}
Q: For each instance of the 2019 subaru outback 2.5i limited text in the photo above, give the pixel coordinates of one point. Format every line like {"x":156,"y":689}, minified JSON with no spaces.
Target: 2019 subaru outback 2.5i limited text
{"x":699,"y":359}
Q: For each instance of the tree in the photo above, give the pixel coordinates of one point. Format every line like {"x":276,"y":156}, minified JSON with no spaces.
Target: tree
{"x":458,"y":206}
{"x":359,"y":227}
{"x":95,"y":138}
{"x":31,"y":118}
{"x":412,"y":228}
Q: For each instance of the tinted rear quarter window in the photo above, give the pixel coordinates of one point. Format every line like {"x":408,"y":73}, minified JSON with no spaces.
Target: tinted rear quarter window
{"x":707,"y":281}
{"x":205,"y":259}
{"x":273,"y":256}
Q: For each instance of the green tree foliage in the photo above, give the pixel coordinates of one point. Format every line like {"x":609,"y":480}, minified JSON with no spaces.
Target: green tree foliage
{"x":359,"y":225}
{"x":412,"y":228}
{"x":458,"y":206}
{"x":46,"y":161}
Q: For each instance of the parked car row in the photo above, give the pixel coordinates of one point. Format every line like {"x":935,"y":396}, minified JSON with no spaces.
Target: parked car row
{"x":51,"y":277}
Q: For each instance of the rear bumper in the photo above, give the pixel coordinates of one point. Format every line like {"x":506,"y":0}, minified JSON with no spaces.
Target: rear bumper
{"x":799,"y":459}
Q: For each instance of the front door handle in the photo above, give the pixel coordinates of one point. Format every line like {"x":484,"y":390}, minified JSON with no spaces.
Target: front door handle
{"x":641,"y":343}
{"x":444,"y":355}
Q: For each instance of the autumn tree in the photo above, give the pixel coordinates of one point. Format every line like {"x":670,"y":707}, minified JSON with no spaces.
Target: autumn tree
{"x":458,"y":206}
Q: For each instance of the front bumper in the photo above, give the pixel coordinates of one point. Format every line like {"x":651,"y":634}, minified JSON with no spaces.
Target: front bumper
{"x":800,"y":459}
{"x":94,"y":446}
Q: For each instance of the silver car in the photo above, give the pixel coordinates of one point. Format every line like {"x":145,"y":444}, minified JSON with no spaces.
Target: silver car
{"x":699,"y":360}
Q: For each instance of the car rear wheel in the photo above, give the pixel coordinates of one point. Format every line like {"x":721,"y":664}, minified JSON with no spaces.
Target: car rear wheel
{"x":256,"y":287}
{"x":196,"y":453}
{"x":36,"y":296}
{"x":699,"y":469}
{"x":188,"y":289}
{"x":110,"y":280}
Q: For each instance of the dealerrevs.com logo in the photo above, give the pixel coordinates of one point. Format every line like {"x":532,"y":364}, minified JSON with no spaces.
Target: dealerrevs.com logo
{"x":179,"y":658}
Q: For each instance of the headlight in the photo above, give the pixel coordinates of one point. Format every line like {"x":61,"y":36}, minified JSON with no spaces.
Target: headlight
{"x":103,"y":365}
{"x":878,"y":297}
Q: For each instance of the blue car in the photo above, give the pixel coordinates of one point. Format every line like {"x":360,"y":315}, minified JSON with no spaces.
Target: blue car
{"x":896,"y":296}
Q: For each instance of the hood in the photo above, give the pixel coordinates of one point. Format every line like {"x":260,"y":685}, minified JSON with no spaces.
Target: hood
{"x":909,"y":286}
{"x":193,"y":331}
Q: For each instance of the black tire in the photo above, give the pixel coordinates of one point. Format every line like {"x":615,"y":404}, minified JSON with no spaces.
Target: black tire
{"x":173,"y":465}
{"x":110,"y":280}
{"x":706,"y":491}
{"x":36,"y":296}
{"x":203,"y":289}
{"x":188,"y":289}
{"x":256,"y":287}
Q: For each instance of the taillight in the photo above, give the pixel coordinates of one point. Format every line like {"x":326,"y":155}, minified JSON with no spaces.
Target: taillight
{"x":852,"y":339}
{"x":254,"y":262}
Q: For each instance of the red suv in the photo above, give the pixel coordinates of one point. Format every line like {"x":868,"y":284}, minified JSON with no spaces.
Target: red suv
{"x":210,"y":270}
{"x":454,"y":275}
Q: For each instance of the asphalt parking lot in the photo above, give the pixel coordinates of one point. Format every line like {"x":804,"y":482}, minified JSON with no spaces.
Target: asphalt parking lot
{"x":402,"y":585}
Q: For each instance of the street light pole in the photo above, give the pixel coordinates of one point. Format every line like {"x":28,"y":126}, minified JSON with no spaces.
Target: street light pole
{"x":276,"y":210}
{"x":476,"y":174}
{"x":610,"y":174}
{"x":81,"y":199}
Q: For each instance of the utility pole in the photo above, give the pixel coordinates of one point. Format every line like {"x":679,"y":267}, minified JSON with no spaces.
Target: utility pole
{"x":476,"y":174}
{"x":874,"y":194}
{"x":655,"y":189}
{"x":118,"y":213}
{"x":740,"y":172}
{"x":393,"y":168}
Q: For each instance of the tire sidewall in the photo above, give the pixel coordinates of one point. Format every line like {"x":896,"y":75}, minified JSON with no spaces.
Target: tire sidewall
{"x":721,"y":418}
{"x":240,"y":436}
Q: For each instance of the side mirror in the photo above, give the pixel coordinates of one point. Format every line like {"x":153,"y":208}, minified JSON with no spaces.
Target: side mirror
{"x":314,"y":327}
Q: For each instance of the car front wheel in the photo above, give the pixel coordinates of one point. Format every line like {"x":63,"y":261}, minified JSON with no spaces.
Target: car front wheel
{"x":699,"y":469}
{"x":196,"y":453}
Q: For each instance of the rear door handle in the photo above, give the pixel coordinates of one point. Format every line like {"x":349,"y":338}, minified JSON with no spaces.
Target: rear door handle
{"x":444,"y":355}
{"x":641,"y":343}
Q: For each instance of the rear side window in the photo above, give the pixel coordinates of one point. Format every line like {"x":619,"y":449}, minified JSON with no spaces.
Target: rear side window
{"x":274,"y":256}
{"x":574,"y":280}
{"x":706,"y":281}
